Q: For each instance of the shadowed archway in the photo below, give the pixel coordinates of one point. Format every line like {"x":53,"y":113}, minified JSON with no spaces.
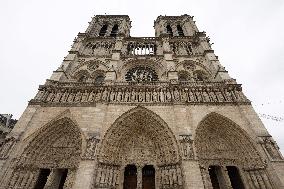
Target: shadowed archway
{"x":51,"y":153}
{"x":222,"y":144}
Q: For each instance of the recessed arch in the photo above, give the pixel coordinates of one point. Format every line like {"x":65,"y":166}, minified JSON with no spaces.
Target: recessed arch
{"x":220,"y":141}
{"x":139,"y":136}
{"x":58,"y":144}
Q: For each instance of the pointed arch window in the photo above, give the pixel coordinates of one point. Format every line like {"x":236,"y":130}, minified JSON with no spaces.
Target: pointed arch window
{"x":180,"y":30}
{"x":103,"y":30}
{"x":169,"y":30}
{"x":114,"y":31}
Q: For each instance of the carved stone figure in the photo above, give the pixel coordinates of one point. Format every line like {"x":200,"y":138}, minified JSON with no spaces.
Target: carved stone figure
{"x":58,"y":95}
{"x":119,"y":96}
{"x":91,"y":148}
{"x":85,"y":96}
{"x":64,"y":96}
{"x":176,"y":95}
{"x":78,"y":96}
{"x":133,"y":95}
{"x":50,"y":96}
{"x":162,"y":96}
{"x":141,"y":95}
{"x":148,"y":96}
{"x":105,"y":95}
{"x":155,"y":96}
{"x":186,"y":145}
{"x":168,"y":96}
{"x":127,"y":96}
{"x":98,"y":95}
{"x":91,"y":96}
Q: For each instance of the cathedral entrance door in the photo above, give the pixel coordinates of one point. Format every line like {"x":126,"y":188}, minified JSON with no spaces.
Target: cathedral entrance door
{"x":130,"y":177}
{"x":148,"y":177}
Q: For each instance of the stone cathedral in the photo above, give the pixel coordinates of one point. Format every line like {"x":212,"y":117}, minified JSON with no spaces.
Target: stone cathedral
{"x":126,"y":112}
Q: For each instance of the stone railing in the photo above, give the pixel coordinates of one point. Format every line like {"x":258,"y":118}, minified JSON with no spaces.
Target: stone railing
{"x":142,"y":46}
{"x":57,"y":94}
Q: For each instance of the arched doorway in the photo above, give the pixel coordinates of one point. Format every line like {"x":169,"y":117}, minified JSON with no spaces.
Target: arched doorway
{"x":50,"y":158}
{"x":130,"y":177}
{"x":139,"y":137}
{"x":148,"y":177}
{"x":227,"y":155}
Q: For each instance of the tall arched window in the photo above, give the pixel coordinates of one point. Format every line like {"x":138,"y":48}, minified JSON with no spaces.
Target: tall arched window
{"x":103,"y":30}
{"x":114,"y":31}
{"x":180,"y":30}
{"x":169,"y":30}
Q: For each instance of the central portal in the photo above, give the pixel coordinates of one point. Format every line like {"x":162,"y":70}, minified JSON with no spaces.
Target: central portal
{"x":131,"y":179}
{"x":137,"y":144}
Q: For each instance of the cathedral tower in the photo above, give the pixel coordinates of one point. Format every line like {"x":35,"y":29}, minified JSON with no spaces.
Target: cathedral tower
{"x":140,"y":112}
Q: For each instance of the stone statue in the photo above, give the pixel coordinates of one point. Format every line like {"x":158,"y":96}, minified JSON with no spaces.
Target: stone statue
{"x":119,"y":97}
{"x":133,"y":95}
{"x":162,"y":96}
{"x":85,"y":96}
{"x":176,"y":95}
{"x":50,"y":97}
{"x":127,"y":96}
{"x":155,"y":96}
{"x":168,"y":95}
{"x":78,"y":96}
{"x":91,"y":96}
{"x":98,"y":95}
{"x":105,"y":95}
{"x":64,"y":96}
{"x":141,"y":96}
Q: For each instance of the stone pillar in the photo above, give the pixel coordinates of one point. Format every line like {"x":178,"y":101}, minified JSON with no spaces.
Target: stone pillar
{"x":139,"y":177}
{"x":53,"y":180}
{"x":192,"y":175}
{"x":84,"y":176}
{"x":223,"y":178}
{"x":206,"y":178}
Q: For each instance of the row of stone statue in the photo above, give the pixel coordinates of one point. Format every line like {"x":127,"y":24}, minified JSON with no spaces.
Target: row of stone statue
{"x":132,"y":95}
{"x":170,"y":176}
{"x":106,"y":176}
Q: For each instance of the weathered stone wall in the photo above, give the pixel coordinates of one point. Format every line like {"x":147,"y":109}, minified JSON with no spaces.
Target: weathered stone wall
{"x":182,"y":120}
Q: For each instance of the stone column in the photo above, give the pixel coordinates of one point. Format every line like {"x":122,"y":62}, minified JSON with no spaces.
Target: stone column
{"x":192,"y":175}
{"x":206,"y":178}
{"x":139,"y":177}
{"x":84,"y":176}
{"x":223,"y":178}
{"x":53,"y":179}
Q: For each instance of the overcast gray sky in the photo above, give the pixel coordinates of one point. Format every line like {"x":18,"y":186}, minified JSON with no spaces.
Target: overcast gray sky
{"x":248,"y":37}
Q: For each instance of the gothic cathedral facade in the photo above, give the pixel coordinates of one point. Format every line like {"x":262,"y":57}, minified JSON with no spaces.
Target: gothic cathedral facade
{"x":126,"y":112}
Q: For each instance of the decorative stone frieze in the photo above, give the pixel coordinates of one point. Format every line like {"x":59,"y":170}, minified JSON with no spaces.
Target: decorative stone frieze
{"x":154,"y":93}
